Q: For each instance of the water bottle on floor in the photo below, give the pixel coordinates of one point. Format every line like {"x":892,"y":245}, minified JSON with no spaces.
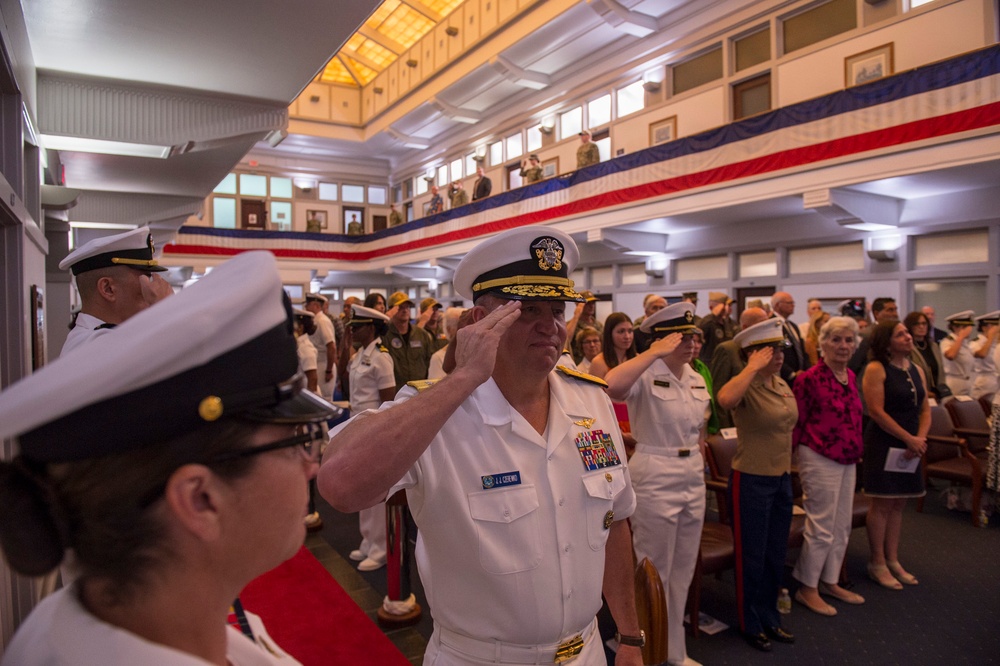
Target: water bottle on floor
{"x":784,"y":602}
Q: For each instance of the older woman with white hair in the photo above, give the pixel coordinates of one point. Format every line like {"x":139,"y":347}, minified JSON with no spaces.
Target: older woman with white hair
{"x":828,"y":447}
{"x":451,"y":317}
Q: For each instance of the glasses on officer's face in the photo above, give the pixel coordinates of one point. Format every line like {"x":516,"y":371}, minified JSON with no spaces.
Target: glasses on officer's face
{"x":309,"y":441}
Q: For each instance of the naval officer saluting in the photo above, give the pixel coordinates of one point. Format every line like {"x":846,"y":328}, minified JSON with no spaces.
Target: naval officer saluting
{"x":514,"y":470}
{"x":117,"y":278}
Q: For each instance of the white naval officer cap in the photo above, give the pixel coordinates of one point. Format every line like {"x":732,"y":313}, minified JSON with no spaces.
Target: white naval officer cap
{"x":319,"y":298}
{"x":989,"y":318}
{"x":299,"y":312}
{"x":963,"y":318}
{"x":360,"y":315}
{"x":133,"y":248}
{"x":531,"y":263}
{"x":676,"y":318}
{"x":766,"y":333}
{"x":222,"y":347}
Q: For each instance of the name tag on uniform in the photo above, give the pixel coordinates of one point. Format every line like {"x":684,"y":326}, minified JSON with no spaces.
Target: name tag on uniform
{"x":416,"y":343}
{"x":501,"y":480}
{"x":661,"y":382}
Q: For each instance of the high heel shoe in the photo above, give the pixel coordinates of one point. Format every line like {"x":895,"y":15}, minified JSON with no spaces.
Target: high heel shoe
{"x":881,"y":575}
{"x":902,"y":574}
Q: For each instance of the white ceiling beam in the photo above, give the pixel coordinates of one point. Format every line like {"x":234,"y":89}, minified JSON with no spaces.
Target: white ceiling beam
{"x":624,"y":19}
{"x":406,"y":140}
{"x":856,"y":210}
{"x":457,"y":114}
{"x":622,"y":240}
{"x":518,"y":75}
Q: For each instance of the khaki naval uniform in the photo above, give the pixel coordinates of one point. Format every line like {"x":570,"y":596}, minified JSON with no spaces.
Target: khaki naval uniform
{"x":513,"y":524}
{"x":667,"y":414}
{"x":370,"y":371}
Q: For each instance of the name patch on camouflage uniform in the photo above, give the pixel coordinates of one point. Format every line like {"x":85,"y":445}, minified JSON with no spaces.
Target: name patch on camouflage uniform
{"x":597,"y":450}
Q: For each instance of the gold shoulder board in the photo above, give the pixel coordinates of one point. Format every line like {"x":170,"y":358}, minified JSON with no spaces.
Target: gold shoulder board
{"x":423,"y":384}
{"x":583,"y":376}
{"x":383,"y":348}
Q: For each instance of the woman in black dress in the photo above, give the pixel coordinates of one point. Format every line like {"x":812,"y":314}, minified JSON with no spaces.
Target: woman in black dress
{"x":896,"y":399}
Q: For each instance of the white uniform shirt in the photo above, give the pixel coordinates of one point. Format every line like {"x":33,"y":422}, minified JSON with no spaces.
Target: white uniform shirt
{"x":307,"y":353}
{"x":60,"y":632}
{"x":321,"y":338}
{"x":958,"y":373}
{"x":667,"y":412}
{"x":84,"y":331}
{"x":370,"y":370}
{"x":512,"y":523}
{"x":984,"y":369}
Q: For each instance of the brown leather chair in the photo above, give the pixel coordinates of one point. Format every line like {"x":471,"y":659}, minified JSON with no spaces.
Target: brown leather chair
{"x":651,"y":608}
{"x":986,"y":402}
{"x":948,"y":457}
{"x":970,"y":424}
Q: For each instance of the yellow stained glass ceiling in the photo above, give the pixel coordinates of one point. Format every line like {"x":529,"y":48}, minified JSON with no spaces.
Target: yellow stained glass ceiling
{"x":394,"y":27}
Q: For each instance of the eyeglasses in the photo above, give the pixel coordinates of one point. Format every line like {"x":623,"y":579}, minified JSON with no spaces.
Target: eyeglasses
{"x":310,"y":443}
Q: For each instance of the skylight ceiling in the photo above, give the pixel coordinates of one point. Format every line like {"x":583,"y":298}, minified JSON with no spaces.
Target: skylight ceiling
{"x":388,"y":33}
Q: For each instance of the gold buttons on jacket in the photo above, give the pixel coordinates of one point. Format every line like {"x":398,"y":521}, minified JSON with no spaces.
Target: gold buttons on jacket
{"x":609,"y":518}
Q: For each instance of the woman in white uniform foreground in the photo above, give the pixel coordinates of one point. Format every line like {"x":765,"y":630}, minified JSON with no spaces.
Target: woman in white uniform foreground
{"x":171,"y":459}
{"x":668,"y":403}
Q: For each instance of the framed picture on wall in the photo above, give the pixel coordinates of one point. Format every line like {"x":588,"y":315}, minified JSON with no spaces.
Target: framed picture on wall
{"x":867,"y":66}
{"x":316,"y":220}
{"x":550,"y":168}
{"x":37,"y":305}
{"x":663,"y":131}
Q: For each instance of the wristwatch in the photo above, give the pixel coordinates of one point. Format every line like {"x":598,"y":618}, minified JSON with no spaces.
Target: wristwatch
{"x":633,"y":641}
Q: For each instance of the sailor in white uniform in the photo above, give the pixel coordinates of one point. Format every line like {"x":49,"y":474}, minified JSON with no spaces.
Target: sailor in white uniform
{"x":514,"y":470}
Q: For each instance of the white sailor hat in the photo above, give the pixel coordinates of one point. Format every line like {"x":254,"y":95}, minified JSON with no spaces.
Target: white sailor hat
{"x":963,"y":318}
{"x":319,"y":298}
{"x":360,"y":315}
{"x":221,"y":348}
{"x":530,"y":263}
{"x":676,"y":318}
{"x":299,"y":312}
{"x":133,"y":248}
{"x":989,"y":318}
{"x":766,"y":333}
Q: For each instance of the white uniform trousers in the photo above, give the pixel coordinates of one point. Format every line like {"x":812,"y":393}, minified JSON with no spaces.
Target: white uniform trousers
{"x":828,"y":498}
{"x":372,"y":524}
{"x":449,"y":649}
{"x":326,"y":388}
{"x":666,"y":528}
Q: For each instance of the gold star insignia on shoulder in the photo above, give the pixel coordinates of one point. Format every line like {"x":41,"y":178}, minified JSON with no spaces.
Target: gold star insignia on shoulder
{"x":585,"y":423}
{"x":583,"y":376}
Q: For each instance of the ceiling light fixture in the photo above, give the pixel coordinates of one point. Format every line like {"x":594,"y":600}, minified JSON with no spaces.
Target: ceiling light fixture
{"x":76,"y":144}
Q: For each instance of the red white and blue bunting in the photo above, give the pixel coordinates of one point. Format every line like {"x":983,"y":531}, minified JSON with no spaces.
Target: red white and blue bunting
{"x":927,"y":105}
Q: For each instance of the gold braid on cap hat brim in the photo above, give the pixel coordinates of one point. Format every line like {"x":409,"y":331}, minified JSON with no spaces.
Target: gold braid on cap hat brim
{"x":531,"y":286}
{"x":765,"y":341}
{"x":134,"y":262}
{"x":683,"y":328}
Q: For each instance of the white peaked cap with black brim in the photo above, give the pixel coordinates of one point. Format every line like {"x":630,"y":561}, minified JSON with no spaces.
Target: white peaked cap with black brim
{"x":221,"y":348}
{"x":132,"y":248}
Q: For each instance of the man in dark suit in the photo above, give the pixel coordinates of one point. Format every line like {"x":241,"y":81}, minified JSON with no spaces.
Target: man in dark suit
{"x":726,"y":361}
{"x":483,"y":186}
{"x":783,"y":306}
{"x":938,"y":334}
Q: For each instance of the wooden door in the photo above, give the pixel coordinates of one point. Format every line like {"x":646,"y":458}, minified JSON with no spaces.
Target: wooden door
{"x":253,"y":214}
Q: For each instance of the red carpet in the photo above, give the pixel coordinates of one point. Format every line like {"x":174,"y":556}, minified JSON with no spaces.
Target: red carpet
{"x":311,"y":617}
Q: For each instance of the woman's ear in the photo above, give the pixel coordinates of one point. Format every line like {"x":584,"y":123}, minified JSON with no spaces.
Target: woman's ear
{"x":193,"y":497}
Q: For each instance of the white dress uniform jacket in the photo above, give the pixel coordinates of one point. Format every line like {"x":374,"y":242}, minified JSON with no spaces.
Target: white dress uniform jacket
{"x":86,"y":329}
{"x":307,"y":353}
{"x":513,"y":524}
{"x":958,"y":373}
{"x":985,"y":378}
{"x":667,"y":414}
{"x":60,"y":632}
{"x":370,"y":369}
{"x":324,"y":334}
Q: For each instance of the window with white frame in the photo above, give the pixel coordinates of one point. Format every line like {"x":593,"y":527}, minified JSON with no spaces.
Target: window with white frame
{"x":599,"y":111}
{"x":514,"y":146}
{"x":496,"y":153}
{"x":534,"y":141}
{"x":571,"y":122}
{"x":456,"y":169}
{"x":631,"y":98}
{"x":353,"y":193}
{"x":328,"y":191}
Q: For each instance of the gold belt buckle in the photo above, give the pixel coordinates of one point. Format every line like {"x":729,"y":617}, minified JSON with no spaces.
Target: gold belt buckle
{"x":569,"y":650}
